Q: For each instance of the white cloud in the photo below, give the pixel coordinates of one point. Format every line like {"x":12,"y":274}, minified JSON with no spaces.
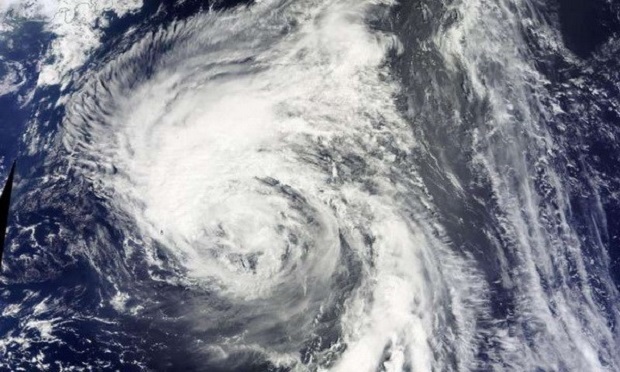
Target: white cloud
{"x":73,"y":23}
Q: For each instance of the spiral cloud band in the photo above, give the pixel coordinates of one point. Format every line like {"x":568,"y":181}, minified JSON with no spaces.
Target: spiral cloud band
{"x":270,"y":173}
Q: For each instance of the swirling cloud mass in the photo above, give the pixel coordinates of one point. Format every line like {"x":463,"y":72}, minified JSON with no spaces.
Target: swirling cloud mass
{"x":284,"y":188}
